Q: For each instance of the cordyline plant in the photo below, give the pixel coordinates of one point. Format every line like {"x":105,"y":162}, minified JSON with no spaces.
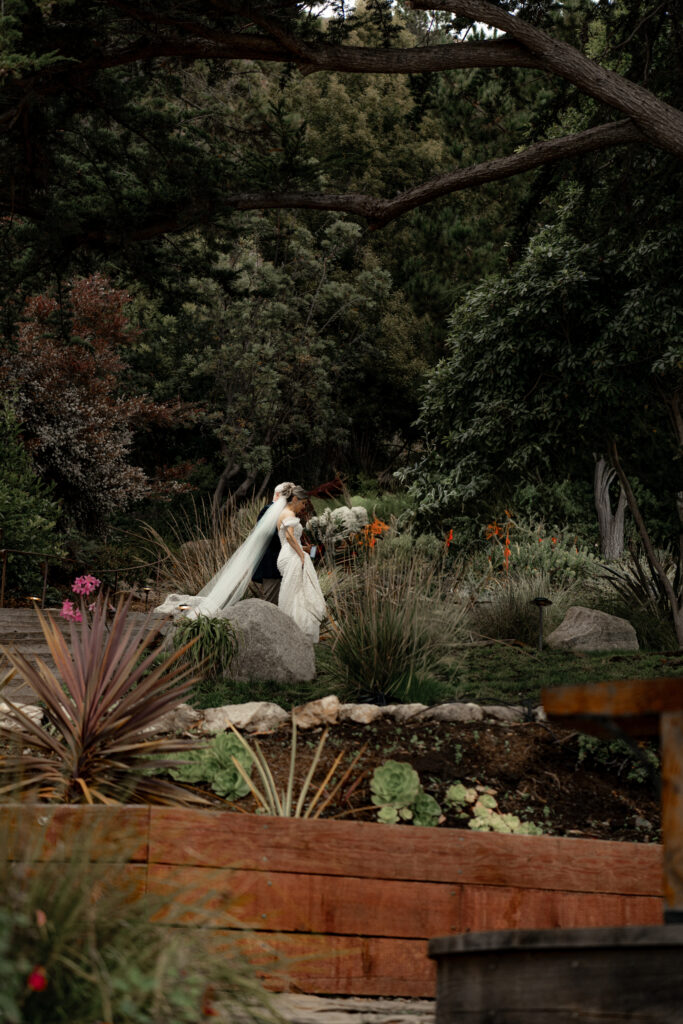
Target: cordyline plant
{"x":112,"y":683}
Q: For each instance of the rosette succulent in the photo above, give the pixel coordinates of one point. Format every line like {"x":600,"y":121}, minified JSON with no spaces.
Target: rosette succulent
{"x":214,"y":764}
{"x":395,"y":784}
{"x":396,"y":789}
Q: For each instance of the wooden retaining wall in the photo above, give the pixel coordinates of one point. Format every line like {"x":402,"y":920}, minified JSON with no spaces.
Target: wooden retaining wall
{"x":354,"y":903}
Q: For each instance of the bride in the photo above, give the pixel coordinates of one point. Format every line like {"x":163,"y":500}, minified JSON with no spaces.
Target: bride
{"x":300,"y":595}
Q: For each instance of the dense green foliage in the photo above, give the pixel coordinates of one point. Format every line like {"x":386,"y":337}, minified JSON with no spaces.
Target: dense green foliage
{"x":159,"y":338}
{"x":28,"y":510}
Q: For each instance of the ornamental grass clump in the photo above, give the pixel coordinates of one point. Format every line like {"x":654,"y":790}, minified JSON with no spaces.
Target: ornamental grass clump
{"x":215,"y":644}
{"x":505,"y":611}
{"x":112,"y":683}
{"x":285,"y":803}
{"x":394,"y":626}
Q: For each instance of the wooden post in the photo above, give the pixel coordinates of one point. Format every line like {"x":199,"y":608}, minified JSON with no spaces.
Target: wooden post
{"x":671,"y":734}
{"x":42,"y":599}
{"x":638,"y":707}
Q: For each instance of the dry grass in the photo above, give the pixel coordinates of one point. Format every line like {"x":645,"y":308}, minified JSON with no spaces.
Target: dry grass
{"x":200,"y":543}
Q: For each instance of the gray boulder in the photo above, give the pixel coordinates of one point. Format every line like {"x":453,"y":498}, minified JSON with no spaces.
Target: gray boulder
{"x":270,"y":644}
{"x":585,"y":629}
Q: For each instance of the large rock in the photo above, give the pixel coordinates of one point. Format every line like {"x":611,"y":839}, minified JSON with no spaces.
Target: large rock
{"x":584,"y":629}
{"x":270,"y":644}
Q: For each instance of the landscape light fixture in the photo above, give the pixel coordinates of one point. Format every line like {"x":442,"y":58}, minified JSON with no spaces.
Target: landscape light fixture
{"x":541,"y":603}
{"x":146,"y":591}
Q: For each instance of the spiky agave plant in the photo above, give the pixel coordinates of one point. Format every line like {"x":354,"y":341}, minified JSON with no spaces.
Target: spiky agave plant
{"x":112,"y":683}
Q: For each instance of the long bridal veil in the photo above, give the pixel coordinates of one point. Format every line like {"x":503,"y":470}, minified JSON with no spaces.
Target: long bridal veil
{"x":230,"y":582}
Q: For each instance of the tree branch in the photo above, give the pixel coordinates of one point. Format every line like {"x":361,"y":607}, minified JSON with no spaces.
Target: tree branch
{"x":659,"y":122}
{"x":381,"y":211}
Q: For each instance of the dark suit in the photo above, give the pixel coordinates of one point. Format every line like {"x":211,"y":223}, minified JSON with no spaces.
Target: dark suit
{"x":267,"y":572}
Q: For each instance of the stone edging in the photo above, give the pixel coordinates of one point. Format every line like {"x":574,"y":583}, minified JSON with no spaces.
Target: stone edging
{"x":264,"y":716}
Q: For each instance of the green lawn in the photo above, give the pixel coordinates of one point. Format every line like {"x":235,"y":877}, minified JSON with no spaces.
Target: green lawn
{"x":515,"y":674}
{"x":502,"y":673}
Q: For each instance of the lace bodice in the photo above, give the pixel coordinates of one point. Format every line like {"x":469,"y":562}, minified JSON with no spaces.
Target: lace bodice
{"x":290,"y":521}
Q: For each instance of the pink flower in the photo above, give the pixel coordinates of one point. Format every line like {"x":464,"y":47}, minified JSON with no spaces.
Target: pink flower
{"x":70,"y":612}
{"x":85,"y":584}
{"x":41,"y":918}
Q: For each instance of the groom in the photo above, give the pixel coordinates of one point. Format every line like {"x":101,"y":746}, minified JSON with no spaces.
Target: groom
{"x":266,"y":572}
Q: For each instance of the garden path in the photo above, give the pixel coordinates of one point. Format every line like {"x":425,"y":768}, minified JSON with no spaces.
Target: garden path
{"x":302,"y":1009}
{"x":20,"y":629}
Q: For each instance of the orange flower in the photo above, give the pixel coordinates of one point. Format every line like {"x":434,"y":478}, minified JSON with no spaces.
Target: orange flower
{"x":449,"y":538}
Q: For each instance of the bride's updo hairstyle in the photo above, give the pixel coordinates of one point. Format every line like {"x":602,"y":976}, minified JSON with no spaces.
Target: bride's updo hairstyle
{"x":292,"y":491}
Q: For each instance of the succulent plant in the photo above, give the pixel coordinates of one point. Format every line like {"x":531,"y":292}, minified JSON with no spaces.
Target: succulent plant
{"x":397,"y":790}
{"x":460,"y":795}
{"x":426,"y":811}
{"x":481,"y":802}
{"x":394,"y":783}
{"x":215,"y":764}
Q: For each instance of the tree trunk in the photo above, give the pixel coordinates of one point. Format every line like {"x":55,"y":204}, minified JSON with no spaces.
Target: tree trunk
{"x":228,"y":473}
{"x":610,"y":524}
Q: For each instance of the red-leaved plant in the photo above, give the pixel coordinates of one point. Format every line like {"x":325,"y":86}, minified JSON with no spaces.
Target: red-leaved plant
{"x":112,"y":683}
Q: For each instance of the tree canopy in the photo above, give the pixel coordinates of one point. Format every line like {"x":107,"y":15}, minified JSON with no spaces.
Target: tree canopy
{"x":77,"y":86}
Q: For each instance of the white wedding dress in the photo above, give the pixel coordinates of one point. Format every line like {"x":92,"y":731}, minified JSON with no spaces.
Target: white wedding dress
{"x":300,"y":595}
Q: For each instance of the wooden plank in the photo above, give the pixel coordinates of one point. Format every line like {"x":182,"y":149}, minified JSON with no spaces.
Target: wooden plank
{"x":494,"y":908}
{"x":49,"y":832}
{"x":182,"y":836}
{"x":634,"y":704}
{"x":672,"y":809}
{"x":338,"y":964}
{"x":285,"y":902}
{"x":282,"y":902}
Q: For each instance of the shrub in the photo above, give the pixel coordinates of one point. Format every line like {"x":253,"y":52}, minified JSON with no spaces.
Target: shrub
{"x":111,"y":685}
{"x":28,"y":512}
{"x":70,"y":395}
{"x":77,"y":947}
{"x":532,"y":547}
{"x":636,"y":594}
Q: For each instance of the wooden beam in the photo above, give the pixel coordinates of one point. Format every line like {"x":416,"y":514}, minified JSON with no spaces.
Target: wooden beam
{"x":632,"y":706}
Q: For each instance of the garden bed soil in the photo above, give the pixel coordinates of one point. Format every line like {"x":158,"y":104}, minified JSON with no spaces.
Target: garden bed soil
{"x":534,"y":769}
